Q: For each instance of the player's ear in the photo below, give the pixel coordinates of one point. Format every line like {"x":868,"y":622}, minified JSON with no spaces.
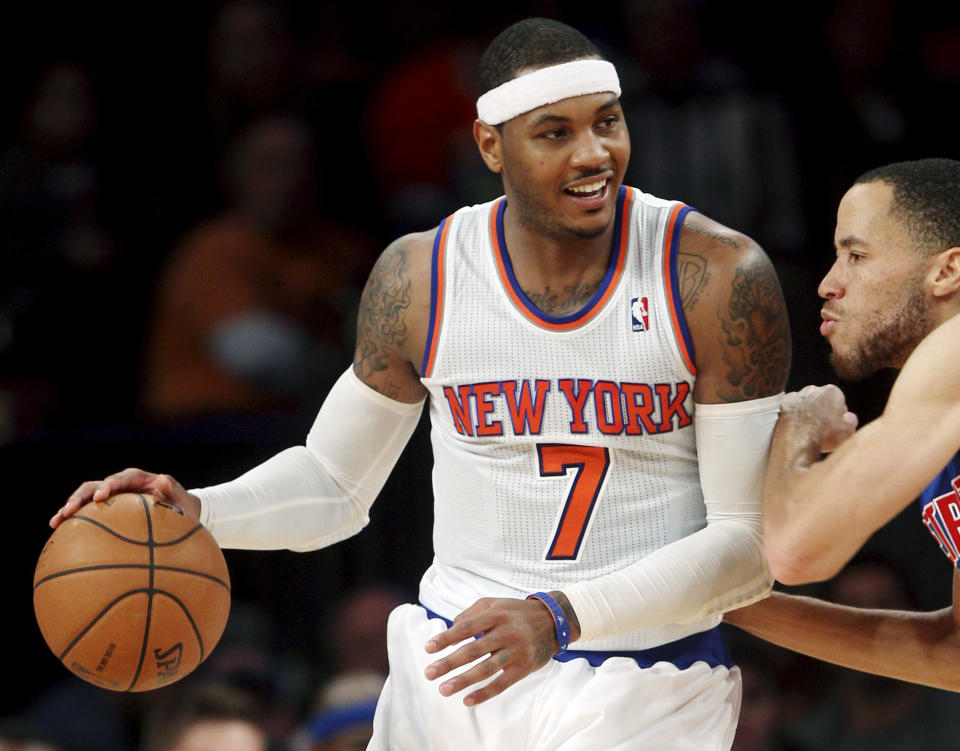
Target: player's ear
{"x":490,"y":143}
{"x":945,"y":273}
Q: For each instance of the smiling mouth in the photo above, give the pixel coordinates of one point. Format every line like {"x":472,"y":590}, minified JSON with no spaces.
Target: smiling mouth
{"x":595,"y":189}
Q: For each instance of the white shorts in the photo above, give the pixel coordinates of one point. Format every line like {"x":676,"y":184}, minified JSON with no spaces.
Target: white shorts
{"x":564,"y":706}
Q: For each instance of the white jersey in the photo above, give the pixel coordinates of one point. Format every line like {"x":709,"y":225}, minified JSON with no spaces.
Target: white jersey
{"x":563,"y":446}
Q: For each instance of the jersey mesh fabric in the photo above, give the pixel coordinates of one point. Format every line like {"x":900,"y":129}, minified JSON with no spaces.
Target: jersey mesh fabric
{"x":497,"y":509}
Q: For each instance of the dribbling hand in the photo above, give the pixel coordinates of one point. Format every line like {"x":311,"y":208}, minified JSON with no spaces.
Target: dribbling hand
{"x":128,"y":481}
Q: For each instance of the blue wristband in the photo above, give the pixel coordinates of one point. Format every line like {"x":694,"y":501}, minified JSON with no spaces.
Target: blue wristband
{"x":559,"y":620}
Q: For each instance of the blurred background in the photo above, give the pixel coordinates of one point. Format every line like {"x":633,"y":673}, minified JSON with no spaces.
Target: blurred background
{"x":192,"y":194}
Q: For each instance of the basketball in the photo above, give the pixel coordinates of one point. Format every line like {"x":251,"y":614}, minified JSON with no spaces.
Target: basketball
{"x":130,"y":594}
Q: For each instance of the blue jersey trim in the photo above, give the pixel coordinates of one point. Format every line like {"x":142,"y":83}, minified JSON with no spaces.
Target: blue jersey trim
{"x":617,"y":250}
{"x":675,"y":282}
{"x":434,"y":284}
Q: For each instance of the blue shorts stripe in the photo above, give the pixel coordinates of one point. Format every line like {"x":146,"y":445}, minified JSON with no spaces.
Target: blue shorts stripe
{"x":706,"y":646}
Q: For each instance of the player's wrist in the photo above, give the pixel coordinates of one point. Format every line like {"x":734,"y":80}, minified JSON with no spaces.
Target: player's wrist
{"x":569,"y":612}
{"x":566,"y":625}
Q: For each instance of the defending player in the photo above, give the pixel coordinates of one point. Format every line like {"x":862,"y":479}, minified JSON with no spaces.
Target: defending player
{"x":604,"y":370}
{"x":892,"y":299}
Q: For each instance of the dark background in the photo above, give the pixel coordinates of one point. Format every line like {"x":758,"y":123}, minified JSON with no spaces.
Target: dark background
{"x":890,"y":95}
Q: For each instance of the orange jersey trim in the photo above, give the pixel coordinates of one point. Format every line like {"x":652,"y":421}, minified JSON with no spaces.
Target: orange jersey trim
{"x":437,"y":282}
{"x":671,"y":285}
{"x":607,"y":287}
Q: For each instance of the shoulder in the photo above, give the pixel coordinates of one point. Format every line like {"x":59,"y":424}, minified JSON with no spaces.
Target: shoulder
{"x":928,"y":376}
{"x":734,"y":306}
{"x":394,"y":315}
{"x":402,"y":271}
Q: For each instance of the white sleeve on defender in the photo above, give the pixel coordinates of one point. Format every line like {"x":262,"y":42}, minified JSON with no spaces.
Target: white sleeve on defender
{"x":311,"y":496}
{"x":716,"y":569}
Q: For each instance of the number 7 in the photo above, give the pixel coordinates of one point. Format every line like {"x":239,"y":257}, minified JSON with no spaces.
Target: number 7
{"x":590,"y":464}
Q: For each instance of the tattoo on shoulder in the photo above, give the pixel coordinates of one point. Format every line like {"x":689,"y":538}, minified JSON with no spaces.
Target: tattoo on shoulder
{"x":756,"y":334}
{"x":692,"y":277}
{"x":381,"y":324}
{"x":725,"y":239}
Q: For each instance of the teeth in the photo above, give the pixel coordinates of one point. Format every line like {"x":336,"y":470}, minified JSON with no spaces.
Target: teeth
{"x":589,"y":187}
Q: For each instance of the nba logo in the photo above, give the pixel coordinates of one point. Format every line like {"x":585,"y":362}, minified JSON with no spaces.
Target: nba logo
{"x":638,"y":312}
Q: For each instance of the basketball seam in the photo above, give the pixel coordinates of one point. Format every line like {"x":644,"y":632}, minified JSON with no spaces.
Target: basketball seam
{"x":146,"y":627}
{"x":93,"y":621}
{"x":186,"y":612}
{"x":130,"y":540}
{"x":103,"y":566}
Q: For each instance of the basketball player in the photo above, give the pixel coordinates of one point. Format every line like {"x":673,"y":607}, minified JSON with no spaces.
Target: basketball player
{"x":892,"y":300}
{"x":604,"y":371}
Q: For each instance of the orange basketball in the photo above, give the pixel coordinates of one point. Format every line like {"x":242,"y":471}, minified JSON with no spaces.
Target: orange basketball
{"x":131,"y":594}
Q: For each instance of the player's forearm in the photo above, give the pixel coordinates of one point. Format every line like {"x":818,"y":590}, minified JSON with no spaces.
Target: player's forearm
{"x":818,"y":514}
{"x":315,"y":495}
{"x":918,"y":647}
{"x":692,"y":579}
{"x":289,"y":501}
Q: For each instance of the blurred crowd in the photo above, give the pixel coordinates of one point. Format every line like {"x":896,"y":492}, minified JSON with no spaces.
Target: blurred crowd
{"x":188,"y":211}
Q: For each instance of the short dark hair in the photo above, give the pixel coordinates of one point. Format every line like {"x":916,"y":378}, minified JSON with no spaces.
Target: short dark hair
{"x":530,"y":43}
{"x":926,"y":198}
{"x":203,"y":701}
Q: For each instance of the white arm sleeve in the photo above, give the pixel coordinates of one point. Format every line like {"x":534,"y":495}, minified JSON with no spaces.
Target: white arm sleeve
{"x":716,"y":569}
{"x":310,"y":496}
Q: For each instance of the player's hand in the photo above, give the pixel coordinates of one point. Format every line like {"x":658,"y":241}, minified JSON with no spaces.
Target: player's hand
{"x":129,"y":481}
{"x":824,"y":408}
{"x":516,"y":636}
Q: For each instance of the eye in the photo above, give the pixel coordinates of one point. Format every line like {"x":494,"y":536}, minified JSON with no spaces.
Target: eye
{"x":554,"y":134}
{"x":608,"y":123}
{"x":854,"y":257}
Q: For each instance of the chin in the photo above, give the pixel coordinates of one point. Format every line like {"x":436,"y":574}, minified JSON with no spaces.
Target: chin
{"x":851,"y":369}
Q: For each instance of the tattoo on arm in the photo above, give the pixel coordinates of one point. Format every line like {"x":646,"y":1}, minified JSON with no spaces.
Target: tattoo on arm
{"x":692,"y":277}
{"x":381,"y":325}
{"x":756,"y":334}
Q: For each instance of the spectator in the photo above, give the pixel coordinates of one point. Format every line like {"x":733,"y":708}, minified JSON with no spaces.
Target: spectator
{"x":358,"y":634}
{"x":255,"y":311}
{"x":205,"y":717}
{"x":57,"y":239}
{"x":342,"y":719}
{"x":700,"y":128}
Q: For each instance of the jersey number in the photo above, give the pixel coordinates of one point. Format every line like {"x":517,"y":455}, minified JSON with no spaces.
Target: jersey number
{"x":589,"y":464}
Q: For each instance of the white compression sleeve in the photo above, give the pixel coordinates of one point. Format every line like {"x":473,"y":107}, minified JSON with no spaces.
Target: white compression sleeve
{"x":717,"y":568}
{"x":310,"y":496}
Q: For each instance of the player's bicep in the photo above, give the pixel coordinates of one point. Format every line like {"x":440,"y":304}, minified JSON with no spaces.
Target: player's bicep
{"x":739,"y":325}
{"x":388,"y":325}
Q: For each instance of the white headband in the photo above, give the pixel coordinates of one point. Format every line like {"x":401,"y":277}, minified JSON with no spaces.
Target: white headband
{"x":545,"y":86}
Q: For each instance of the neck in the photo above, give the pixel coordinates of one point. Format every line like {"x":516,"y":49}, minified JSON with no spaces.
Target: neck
{"x":556,"y":262}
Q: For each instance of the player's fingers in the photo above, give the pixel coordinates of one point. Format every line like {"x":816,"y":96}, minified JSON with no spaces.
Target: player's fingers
{"x":479,"y":672}
{"x":458,"y":632}
{"x":131,"y":479}
{"x":497,"y":686}
{"x":471,"y":651}
{"x":82,"y":495}
{"x":481,"y":605}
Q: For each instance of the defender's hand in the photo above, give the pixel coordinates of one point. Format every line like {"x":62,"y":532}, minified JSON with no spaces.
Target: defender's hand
{"x":824,"y":409}
{"x":129,"y":481}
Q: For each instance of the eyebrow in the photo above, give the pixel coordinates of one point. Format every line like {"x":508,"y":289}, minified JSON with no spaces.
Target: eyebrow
{"x":849,"y":241}
{"x":550,"y":117}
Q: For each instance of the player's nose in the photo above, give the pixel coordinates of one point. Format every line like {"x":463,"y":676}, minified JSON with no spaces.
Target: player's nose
{"x":590,"y":152}
{"x":831,"y":286}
